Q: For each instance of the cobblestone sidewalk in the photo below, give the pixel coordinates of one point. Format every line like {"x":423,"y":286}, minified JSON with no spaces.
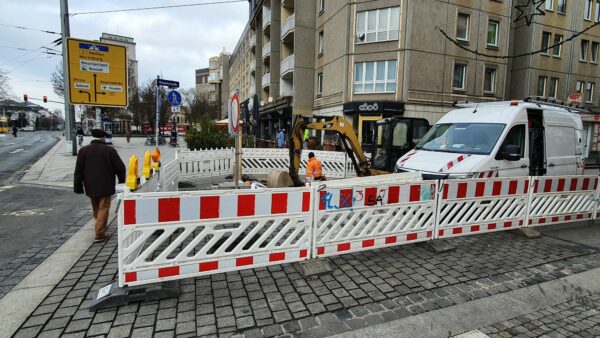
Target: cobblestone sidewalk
{"x":365,"y":289}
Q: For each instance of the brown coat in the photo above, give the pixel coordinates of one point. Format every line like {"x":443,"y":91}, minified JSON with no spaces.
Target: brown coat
{"x":97,"y":165}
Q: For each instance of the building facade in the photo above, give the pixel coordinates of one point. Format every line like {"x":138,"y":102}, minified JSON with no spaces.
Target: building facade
{"x":366,"y":59}
{"x":218,"y":75}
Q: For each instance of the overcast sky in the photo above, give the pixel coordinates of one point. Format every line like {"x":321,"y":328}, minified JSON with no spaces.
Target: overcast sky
{"x":172,"y":43}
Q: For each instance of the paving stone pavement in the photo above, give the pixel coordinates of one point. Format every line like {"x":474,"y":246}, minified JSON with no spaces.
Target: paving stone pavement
{"x":364,"y":289}
{"x":14,"y":271}
{"x":579,"y":317}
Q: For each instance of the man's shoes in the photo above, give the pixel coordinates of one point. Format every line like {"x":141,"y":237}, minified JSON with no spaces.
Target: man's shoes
{"x":100,"y":239}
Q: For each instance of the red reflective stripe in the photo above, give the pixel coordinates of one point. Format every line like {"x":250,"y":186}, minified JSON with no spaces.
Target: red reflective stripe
{"x":456,"y":231}
{"x":450,"y":165}
{"x":393,"y":194}
{"x":548,"y":186}
{"x":306,"y":201}
{"x":322,"y":201}
{"x":279,"y":203}
{"x":573,"y":186}
{"x":346,"y":198}
{"x":168,"y":209}
{"x":520,"y":222}
{"x":512,"y":187}
{"x":561,"y":184}
{"x":542,"y":220}
{"x":586,"y":184}
{"x":491,"y":226}
{"x":526,"y":187}
{"x":277,"y":256}
{"x":242,"y":261}
{"x":208,"y":266}
{"x":579,"y":216}
{"x":390,"y":240}
{"x":445,"y":196}
{"x":536,"y":184}
{"x":595,"y":183}
{"x":568,"y":218}
{"x":429,"y":233}
{"x":507,"y":224}
{"x":411,"y":237}
{"x":555,"y":219}
{"x":367,"y":243}
{"x":479,"y":189}
{"x":246,"y":205}
{"x":209,"y":207}
{"x":440,"y":232}
{"x":303,"y":253}
{"x":320,"y":250}
{"x":343,"y":247}
{"x":474,"y":228}
{"x":497,"y":188}
{"x":370,"y":196}
{"x":130,"y":276}
{"x":129,"y":212}
{"x":461,"y":190}
{"x":415,"y":193}
{"x":168,"y":272}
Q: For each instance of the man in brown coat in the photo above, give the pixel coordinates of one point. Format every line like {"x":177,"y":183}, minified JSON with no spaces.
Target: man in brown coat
{"x":97,"y":165}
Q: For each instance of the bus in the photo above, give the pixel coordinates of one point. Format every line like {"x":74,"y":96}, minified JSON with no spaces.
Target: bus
{"x":3,"y":125}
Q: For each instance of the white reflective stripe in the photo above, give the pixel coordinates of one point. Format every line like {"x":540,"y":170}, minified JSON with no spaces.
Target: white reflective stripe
{"x":228,"y":206}
{"x":263,"y":203}
{"x":294,"y":202}
{"x":404,"y":194}
{"x":227,"y":264}
{"x":489,"y":188}
{"x":335,"y":198}
{"x":188,"y":269}
{"x":471,"y":186}
{"x":189,"y":208}
{"x":505,"y":187}
{"x":260,"y":259}
{"x":146,"y":210}
{"x":148,"y":274}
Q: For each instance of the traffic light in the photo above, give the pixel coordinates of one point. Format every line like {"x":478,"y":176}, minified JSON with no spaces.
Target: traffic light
{"x":25,"y":97}
{"x":45,"y":98}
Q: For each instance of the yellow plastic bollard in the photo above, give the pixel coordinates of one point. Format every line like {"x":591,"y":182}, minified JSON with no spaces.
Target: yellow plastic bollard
{"x":155,"y":159}
{"x":132,"y":174}
{"x":146,"y":172}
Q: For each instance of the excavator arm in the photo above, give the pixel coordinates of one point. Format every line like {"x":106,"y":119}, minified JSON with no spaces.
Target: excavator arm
{"x":351,"y":144}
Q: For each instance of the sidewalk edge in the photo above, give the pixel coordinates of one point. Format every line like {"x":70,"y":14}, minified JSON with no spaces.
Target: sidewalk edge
{"x":37,"y":168}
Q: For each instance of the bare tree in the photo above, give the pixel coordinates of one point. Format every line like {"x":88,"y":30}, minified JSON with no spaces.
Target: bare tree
{"x":199,"y":106}
{"x":4,"y":85}
{"x":57,"y":80}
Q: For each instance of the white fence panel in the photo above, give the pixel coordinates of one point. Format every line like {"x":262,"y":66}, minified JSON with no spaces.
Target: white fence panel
{"x":169,"y":176}
{"x":167,"y":236}
{"x":364,"y":217}
{"x":473,"y":206}
{"x":562,"y":199}
{"x":205,"y":163}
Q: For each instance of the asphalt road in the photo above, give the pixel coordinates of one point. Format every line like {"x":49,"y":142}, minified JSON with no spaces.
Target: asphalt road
{"x":18,"y":153}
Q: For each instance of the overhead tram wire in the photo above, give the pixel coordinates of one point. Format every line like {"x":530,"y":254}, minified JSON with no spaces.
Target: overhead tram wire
{"x":158,"y":7}
{"x":30,"y":29}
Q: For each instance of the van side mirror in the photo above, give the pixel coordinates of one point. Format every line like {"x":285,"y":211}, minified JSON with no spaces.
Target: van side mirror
{"x":511,"y":152}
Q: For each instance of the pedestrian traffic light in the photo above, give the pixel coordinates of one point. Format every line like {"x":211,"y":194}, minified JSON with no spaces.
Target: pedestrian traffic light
{"x":25,"y":97}
{"x":45,"y":98}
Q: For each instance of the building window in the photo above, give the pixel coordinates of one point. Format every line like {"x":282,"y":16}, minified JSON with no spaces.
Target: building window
{"x":549,"y":5}
{"x":321,"y":42}
{"x":321,"y":5}
{"x":377,"y":25}
{"x":597,"y":16}
{"x":583,"y":50}
{"x":489,"y":80}
{"x":557,"y":47}
{"x":460,"y":76}
{"x":462,"y":27}
{"x":589,"y":92}
{"x":594,"y":54}
{"x":545,"y":42}
{"x":579,"y":86}
{"x":541,"y":90}
{"x":553,"y":87}
{"x":319,"y":84}
{"x":492,"y":33}
{"x":561,"y":6}
{"x":375,"y":77}
{"x":587,"y":10}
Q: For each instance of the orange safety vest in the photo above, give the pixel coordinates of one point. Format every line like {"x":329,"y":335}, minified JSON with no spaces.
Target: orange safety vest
{"x":314,"y":168}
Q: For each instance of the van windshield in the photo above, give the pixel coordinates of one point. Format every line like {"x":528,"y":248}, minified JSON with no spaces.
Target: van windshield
{"x":464,"y":138}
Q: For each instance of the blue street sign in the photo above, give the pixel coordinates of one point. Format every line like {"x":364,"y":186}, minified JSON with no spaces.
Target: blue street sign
{"x":174,"y":98}
{"x":167,"y":83}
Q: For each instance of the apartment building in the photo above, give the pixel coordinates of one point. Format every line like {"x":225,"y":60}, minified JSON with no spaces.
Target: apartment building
{"x":218,"y":75}
{"x":367,"y":59}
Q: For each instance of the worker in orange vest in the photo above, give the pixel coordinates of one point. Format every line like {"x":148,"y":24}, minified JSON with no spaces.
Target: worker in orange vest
{"x":314,"y":170}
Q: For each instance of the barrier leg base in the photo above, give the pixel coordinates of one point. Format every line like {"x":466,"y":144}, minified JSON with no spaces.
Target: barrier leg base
{"x":528,"y":233}
{"x":438,"y":246}
{"x":313,"y":267}
{"x":112,"y":295}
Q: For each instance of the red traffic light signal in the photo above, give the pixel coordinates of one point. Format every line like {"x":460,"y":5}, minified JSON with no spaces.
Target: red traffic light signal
{"x":25,"y":97}
{"x":45,"y":98}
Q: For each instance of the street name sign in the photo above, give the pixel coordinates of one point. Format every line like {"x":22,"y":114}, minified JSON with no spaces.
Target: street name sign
{"x":97,"y":73}
{"x":167,"y":83}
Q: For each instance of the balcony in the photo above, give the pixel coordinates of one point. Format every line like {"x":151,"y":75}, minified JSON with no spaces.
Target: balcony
{"x":287,"y":67}
{"x":287,"y":26}
{"x":252,"y":65}
{"x":266,"y":50}
{"x":214,"y":76}
{"x":266,"y":16}
{"x":266,"y":80}
{"x":252,"y":41}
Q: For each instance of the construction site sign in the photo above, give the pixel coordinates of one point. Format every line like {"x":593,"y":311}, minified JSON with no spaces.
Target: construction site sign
{"x":97,"y":73}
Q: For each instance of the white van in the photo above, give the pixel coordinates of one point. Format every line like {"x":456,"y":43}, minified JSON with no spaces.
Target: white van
{"x":500,"y":139}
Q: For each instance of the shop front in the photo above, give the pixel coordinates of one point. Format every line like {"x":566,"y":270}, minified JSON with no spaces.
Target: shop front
{"x":364,"y":116}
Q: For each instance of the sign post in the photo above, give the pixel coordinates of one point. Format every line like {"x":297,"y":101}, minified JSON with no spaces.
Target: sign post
{"x":234,"y":124}
{"x":167,"y":83}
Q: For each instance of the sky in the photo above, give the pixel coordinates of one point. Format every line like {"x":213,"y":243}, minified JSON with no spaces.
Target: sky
{"x":172,"y":43}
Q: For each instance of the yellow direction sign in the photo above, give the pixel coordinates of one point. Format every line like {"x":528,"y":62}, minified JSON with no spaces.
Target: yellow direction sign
{"x":97,"y":73}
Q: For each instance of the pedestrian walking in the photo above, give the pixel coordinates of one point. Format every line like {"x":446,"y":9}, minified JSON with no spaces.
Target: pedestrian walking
{"x":280,"y":138}
{"x":95,"y":171}
{"x":128,"y":134}
{"x":314,"y":169}
{"x":15,"y":129}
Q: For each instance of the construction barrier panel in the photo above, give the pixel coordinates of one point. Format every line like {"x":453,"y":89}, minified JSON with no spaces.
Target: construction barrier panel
{"x":169,"y":176}
{"x":361,"y":216}
{"x":167,"y":236}
{"x":562,"y":199}
{"x":206,"y":163}
{"x":473,"y":206}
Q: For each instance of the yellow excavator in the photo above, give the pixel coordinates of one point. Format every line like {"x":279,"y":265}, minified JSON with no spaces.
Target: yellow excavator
{"x":397,"y":136}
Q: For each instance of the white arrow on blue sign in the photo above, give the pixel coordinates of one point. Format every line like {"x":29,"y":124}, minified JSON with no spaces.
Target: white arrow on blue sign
{"x":174,"y":98}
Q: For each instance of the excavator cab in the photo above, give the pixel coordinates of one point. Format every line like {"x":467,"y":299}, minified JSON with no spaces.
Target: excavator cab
{"x":397,"y":136}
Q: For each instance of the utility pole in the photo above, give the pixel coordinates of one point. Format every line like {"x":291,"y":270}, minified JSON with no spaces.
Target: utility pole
{"x":69,"y":110}
{"x":158,"y":104}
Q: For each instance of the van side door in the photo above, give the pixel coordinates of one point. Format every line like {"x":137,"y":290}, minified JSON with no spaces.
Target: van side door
{"x":516,"y":136}
{"x":560,"y":150}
